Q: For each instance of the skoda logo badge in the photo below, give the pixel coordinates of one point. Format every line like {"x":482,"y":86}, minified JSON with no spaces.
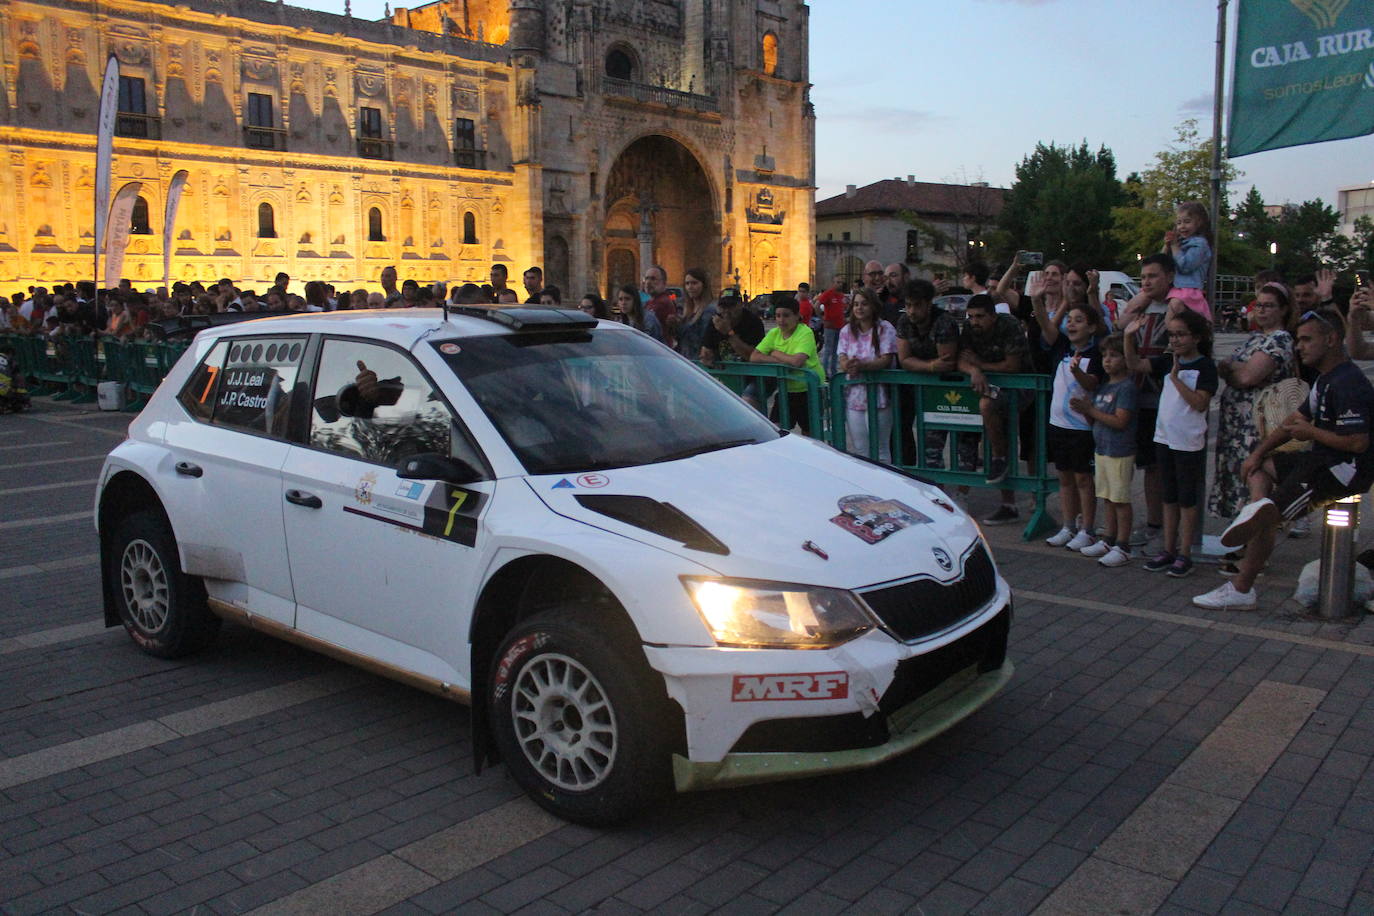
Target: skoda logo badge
{"x":942,"y":558}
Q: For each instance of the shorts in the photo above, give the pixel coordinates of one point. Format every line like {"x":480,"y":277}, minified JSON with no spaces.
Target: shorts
{"x":1181,"y":475}
{"x":1113,"y":477}
{"x":1145,"y":436}
{"x":1308,"y":481}
{"x":1070,"y":449}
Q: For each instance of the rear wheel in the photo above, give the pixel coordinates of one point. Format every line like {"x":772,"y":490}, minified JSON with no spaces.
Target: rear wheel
{"x":578,"y":718}
{"x":162,"y":608}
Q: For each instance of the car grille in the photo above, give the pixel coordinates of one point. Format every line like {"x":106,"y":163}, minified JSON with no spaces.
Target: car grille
{"x":923,"y":607}
{"x":986,"y":647}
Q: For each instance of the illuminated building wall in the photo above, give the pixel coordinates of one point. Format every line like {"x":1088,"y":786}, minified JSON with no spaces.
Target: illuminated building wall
{"x":587,"y":136}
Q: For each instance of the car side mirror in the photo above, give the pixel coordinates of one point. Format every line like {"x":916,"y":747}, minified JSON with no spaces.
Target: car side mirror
{"x":434,"y":466}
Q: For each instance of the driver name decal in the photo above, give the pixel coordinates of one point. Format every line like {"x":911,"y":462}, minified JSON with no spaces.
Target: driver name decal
{"x":872,"y":519}
{"x":754,"y":688}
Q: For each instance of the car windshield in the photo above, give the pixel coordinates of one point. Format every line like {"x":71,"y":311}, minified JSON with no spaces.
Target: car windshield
{"x":591,"y":400}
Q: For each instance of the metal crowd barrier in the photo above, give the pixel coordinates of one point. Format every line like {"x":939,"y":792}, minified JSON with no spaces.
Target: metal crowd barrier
{"x":772,"y":378}
{"x":943,"y":404}
{"x":948,"y":404}
{"x":71,"y":368}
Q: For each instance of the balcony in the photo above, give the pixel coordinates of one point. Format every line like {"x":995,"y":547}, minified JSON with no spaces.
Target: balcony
{"x":658,"y":95}
{"x":375,"y":148}
{"x":134,"y":124}
{"x":470,"y":158}
{"x":271,"y":138}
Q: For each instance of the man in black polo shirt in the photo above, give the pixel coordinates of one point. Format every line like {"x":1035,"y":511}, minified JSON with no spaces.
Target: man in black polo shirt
{"x":734,"y":333}
{"x":1336,"y":419}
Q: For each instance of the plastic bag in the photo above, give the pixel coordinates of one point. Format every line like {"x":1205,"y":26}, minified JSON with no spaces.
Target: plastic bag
{"x":1309,"y":585}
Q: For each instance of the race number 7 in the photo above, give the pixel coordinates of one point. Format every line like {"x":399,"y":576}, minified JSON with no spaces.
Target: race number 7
{"x":210,"y":382}
{"x":459,"y":497}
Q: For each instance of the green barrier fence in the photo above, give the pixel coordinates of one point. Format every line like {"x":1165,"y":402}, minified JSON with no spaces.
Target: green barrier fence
{"x":771,"y":378}
{"x":948,"y":405}
{"x":70,"y":368}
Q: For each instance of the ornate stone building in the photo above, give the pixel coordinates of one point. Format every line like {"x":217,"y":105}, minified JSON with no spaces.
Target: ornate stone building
{"x":589,"y":136}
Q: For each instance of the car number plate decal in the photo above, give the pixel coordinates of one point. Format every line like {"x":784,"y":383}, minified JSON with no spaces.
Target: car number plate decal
{"x":871,"y":519}
{"x":755,"y":688}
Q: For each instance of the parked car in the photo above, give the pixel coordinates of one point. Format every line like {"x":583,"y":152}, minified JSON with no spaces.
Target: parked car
{"x":635,"y":580}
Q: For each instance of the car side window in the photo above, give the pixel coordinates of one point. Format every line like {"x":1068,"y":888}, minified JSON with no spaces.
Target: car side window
{"x":373,"y":403}
{"x":199,"y":393}
{"x":246,"y":383}
{"x":256,"y":382}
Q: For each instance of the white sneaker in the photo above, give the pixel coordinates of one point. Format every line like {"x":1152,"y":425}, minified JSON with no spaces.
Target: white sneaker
{"x":1061,"y":538}
{"x":1098,"y":549}
{"x":1080,"y":540}
{"x":1253,"y":517}
{"x":1115,"y":557}
{"x":1226,"y":597}
{"x":1301,"y":527}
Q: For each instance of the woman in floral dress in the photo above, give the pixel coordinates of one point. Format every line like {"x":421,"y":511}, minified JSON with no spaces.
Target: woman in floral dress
{"x":1265,"y":357}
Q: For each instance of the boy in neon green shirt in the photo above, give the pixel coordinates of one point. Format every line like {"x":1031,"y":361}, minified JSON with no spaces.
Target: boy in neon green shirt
{"x":791,"y":343}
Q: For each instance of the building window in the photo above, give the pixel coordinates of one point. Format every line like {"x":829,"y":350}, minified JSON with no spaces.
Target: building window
{"x":619,"y":64}
{"x":465,"y":151}
{"x":844,"y":236}
{"x":372,"y":143}
{"x":469,"y":228}
{"x":267,"y":222}
{"x":913,"y":246}
{"x":374,"y":226}
{"x":133,"y":119}
{"x":133,"y":98}
{"x":260,"y":131}
{"x":770,"y":53}
{"x":138,"y":220}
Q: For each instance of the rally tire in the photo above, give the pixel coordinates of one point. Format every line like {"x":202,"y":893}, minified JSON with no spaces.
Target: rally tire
{"x":578,"y":717}
{"x":163,"y":610}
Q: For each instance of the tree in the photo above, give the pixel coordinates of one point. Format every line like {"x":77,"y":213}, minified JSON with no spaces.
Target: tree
{"x":1061,"y":204}
{"x":1181,"y":172}
{"x":1305,"y":234}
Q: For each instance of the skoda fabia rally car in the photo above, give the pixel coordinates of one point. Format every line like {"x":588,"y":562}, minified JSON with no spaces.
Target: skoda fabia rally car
{"x":635,"y":580}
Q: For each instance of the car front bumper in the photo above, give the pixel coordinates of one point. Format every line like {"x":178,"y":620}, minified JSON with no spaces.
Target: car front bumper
{"x":828,"y":710}
{"x":910,"y":726}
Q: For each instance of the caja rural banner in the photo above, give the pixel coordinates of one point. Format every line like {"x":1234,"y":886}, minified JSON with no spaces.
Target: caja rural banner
{"x":1304,"y":73}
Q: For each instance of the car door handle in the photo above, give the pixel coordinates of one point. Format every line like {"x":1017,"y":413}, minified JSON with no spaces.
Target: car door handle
{"x":187,"y":469}
{"x":301,"y":498}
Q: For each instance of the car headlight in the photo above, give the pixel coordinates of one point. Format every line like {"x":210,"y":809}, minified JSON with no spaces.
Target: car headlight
{"x":747,"y":613}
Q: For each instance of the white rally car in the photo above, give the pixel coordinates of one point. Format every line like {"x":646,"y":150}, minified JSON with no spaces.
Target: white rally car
{"x":633,"y":578}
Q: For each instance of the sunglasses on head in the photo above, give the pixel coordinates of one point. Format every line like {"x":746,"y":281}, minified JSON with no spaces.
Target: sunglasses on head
{"x":1315,"y":316}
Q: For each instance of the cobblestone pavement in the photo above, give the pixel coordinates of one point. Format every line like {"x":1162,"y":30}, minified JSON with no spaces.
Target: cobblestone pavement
{"x":1147,"y":757}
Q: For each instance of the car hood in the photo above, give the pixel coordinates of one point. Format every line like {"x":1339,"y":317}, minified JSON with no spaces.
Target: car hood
{"x":756,"y":508}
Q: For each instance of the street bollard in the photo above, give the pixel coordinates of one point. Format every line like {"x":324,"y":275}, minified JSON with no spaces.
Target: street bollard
{"x":1338,"y":558}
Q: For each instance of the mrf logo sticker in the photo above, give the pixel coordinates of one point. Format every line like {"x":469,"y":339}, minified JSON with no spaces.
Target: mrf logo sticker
{"x":872,"y":519}
{"x":753,"y":688}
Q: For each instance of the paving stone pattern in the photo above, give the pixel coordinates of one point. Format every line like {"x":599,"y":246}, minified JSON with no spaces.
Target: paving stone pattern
{"x":994,"y":817}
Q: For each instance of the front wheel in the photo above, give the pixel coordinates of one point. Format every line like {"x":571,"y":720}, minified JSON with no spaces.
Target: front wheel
{"x":162,"y":609}
{"x":579,"y":719}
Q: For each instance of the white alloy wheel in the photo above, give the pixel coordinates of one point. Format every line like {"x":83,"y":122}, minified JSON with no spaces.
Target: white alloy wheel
{"x":143,"y":579}
{"x":564,"y":722}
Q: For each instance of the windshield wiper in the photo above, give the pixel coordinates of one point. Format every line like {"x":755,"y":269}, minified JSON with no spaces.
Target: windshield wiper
{"x":701,"y":450}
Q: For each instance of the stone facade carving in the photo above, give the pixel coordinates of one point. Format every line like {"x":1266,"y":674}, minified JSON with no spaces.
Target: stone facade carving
{"x":502,"y":109}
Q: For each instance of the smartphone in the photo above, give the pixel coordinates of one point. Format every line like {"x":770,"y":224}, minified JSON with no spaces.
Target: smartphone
{"x":1362,"y":279}
{"x":1030,"y":258}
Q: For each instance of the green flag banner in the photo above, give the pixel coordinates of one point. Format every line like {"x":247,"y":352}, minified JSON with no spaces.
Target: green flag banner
{"x":1304,"y":73}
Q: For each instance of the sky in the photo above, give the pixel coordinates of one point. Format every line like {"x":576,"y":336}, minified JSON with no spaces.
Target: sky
{"x":963,"y":90}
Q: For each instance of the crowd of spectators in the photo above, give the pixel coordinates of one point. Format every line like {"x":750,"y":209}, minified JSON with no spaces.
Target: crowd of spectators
{"x":1132,"y":380}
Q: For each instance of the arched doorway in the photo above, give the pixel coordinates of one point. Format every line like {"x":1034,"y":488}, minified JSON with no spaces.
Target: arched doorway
{"x":660,"y":205}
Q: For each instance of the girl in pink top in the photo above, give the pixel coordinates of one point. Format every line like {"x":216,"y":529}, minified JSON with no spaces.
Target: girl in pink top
{"x":867,"y":343}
